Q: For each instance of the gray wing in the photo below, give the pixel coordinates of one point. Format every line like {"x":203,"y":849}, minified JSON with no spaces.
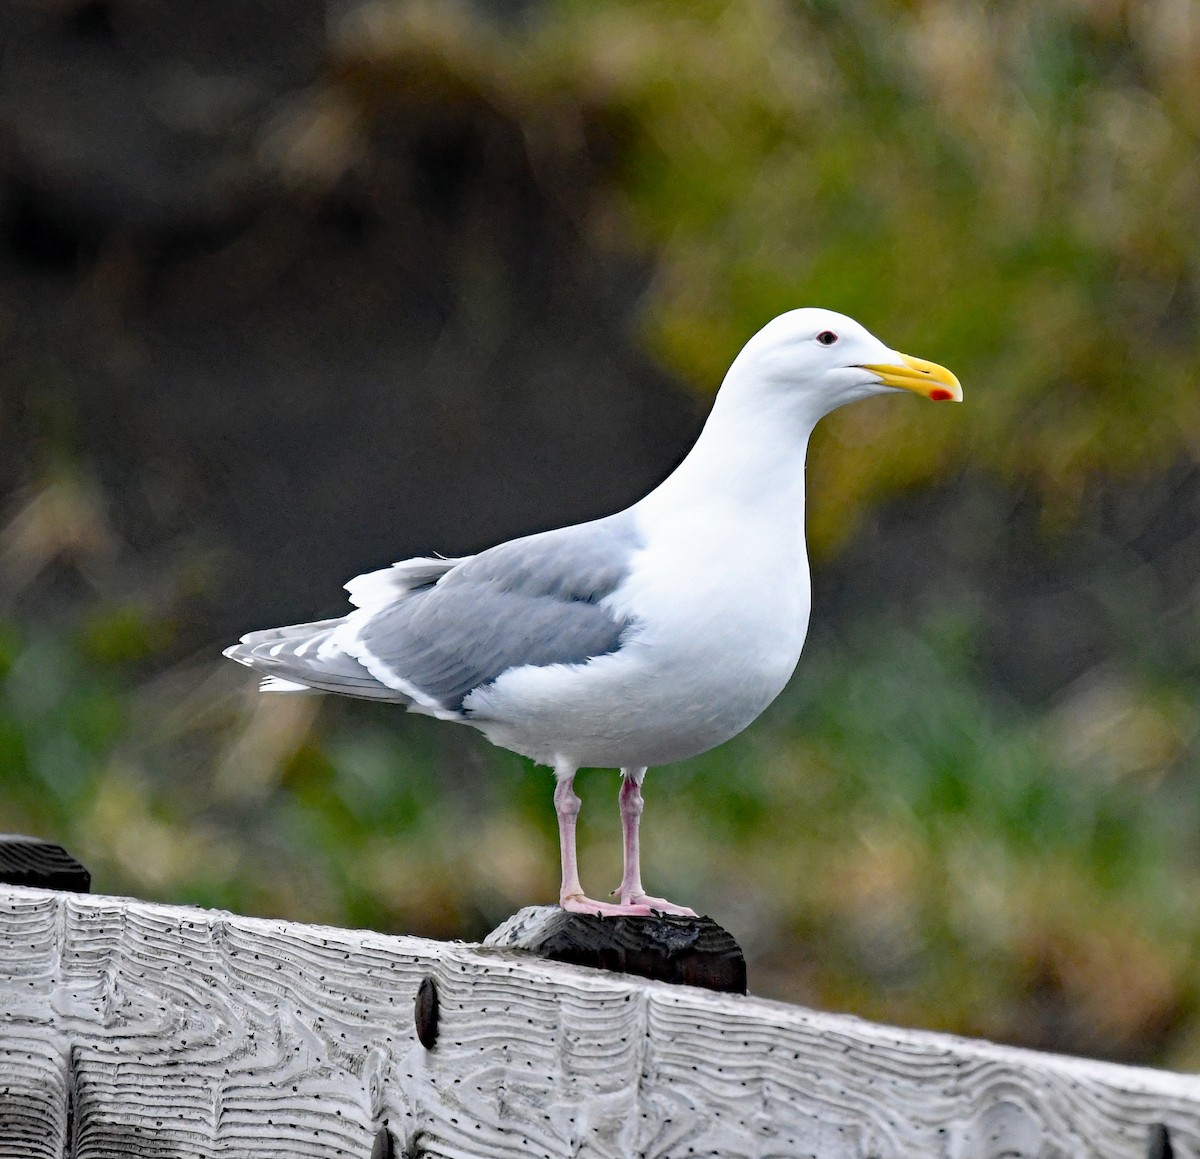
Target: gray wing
{"x":534,"y":600}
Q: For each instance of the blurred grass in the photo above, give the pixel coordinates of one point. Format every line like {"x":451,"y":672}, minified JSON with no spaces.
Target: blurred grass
{"x":891,"y":839}
{"x":1009,"y":189}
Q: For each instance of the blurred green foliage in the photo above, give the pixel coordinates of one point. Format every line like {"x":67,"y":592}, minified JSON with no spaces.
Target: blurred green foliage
{"x":890,"y":839}
{"x":1009,"y":189}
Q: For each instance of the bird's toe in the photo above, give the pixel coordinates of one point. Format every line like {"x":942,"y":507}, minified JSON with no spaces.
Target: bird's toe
{"x":660,"y":905}
{"x":578,"y":904}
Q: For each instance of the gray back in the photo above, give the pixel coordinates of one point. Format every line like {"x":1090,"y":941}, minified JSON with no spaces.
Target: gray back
{"x":530,"y":601}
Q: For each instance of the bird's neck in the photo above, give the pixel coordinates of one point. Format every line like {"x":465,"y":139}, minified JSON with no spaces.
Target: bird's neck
{"x":747,"y":456}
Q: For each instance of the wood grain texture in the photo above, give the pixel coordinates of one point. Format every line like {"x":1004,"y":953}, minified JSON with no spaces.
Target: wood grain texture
{"x":42,"y":864}
{"x":666,"y":947}
{"x":135,"y":1030}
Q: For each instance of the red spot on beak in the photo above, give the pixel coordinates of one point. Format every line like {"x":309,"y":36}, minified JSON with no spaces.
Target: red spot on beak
{"x":940,"y":394}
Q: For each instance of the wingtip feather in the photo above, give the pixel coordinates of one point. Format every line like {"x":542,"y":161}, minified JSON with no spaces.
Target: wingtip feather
{"x":278,"y":684}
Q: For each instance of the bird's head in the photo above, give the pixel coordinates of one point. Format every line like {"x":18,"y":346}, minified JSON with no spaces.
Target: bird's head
{"x":825,"y":360}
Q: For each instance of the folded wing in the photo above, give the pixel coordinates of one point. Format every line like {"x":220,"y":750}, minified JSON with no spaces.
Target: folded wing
{"x":428,"y":632}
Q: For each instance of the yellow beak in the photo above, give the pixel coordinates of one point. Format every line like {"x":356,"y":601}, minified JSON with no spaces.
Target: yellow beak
{"x":921,"y":377}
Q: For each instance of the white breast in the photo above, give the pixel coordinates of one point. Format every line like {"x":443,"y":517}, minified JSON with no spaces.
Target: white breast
{"x":720,"y":609}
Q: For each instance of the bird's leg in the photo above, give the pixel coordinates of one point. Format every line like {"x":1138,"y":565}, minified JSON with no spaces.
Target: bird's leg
{"x":631,"y":803}
{"x":571,"y":896}
{"x":630,"y":890}
{"x":566,"y":805}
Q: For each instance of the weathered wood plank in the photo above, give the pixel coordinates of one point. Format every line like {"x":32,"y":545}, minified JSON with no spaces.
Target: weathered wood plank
{"x":691,"y":950}
{"x":43,"y":864}
{"x":134,"y":1030}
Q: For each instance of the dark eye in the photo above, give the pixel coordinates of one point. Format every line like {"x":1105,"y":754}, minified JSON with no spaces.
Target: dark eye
{"x":827,"y":338}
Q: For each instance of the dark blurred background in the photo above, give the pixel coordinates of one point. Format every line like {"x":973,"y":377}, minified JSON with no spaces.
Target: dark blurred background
{"x":291,"y":289}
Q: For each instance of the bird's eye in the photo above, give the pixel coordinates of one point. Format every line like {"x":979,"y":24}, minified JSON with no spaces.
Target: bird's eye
{"x":827,"y":338}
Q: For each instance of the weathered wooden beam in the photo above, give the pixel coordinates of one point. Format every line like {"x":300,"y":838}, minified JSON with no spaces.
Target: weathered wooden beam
{"x":129,"y":1029}
{"x":43,"y":864}
{"x":693,"y":951}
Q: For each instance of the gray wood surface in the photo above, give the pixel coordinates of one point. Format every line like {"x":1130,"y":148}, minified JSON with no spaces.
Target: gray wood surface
{"x":133,"y":1029}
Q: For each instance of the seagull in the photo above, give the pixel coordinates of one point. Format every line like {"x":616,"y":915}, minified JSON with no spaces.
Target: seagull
{"x":639,"y":639}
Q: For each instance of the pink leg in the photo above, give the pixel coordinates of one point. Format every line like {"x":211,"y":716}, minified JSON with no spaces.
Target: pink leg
{"x":630,"y":890}
{"x":571,"y":896}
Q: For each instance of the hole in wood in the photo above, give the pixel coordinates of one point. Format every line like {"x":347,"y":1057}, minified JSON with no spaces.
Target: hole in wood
{"x":383,"y":1148}
{"x":1160,"y":1143}
{"x":425,"y":1012}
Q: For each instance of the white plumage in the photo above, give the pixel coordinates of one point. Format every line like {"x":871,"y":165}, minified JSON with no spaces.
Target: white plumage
{"x":639,"y":639}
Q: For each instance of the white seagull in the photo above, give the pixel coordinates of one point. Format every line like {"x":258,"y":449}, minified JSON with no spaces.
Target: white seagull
{"x":638,"y":639}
